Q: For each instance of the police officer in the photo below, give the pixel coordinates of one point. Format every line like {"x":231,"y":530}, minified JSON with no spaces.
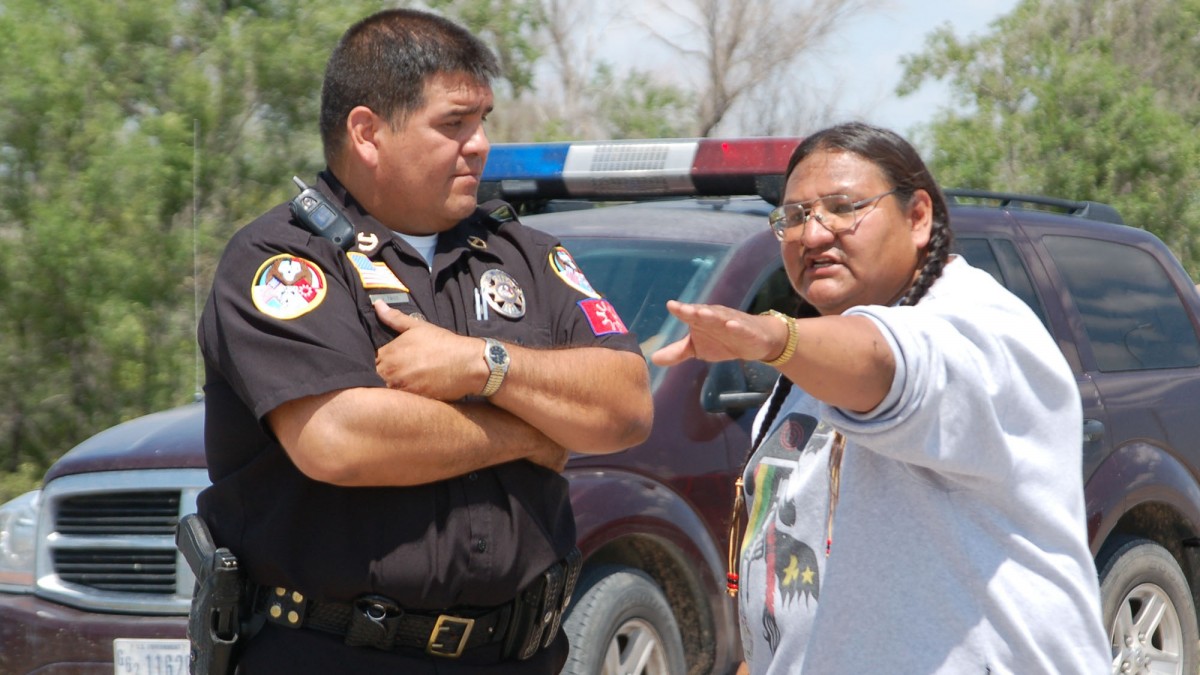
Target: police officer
{"x":385,"y":424}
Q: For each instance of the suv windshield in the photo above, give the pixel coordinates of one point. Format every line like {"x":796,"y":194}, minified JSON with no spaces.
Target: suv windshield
{"x":639,"y":276}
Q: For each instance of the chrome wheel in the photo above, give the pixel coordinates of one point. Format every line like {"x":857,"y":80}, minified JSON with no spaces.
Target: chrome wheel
{"x":620,"y":623}
{"x":1148,"y":609}
{"x":636,"y":649}
{"x":1146,"y":634}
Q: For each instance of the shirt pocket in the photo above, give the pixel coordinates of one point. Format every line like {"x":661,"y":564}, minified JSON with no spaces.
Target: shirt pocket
{"x":524,"y":333}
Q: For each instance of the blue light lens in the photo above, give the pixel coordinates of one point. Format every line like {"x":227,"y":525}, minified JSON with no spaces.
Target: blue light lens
{"x":526,"y":161}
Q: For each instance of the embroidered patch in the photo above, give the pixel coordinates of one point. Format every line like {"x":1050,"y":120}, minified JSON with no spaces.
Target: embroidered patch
{"x":602,"y":317}
{"x":375,"y":274}
{"x":286,"y":287}
{"x":568,"y":270}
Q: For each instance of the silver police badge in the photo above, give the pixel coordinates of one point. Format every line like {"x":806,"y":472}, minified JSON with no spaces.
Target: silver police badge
{"x":502,"y":293}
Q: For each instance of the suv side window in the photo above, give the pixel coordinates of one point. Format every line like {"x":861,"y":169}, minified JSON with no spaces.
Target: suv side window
{"x":775,"y":293}
{"x":999,"y":258}
{"x":1132,"y":313}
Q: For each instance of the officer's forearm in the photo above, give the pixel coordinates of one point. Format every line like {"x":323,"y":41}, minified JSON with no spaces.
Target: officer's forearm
{"x":376,"y":436}
{"x":591,"y":400}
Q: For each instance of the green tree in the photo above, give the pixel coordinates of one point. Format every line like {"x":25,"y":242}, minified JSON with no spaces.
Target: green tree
{"x":510,"y":27}
{"x":635,"y":106}
{"x":135,"y":136}
{"x":1080,"y":99}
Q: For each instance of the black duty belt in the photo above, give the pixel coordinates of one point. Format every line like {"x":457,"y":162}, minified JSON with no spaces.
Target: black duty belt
{"x":524,"y":625}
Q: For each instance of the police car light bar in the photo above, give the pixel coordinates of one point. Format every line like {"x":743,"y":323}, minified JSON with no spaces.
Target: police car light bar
{"x":619,"y":170}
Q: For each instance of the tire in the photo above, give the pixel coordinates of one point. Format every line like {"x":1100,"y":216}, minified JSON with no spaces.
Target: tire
{"x":620,"y":623}
{"x":1148,"y":611}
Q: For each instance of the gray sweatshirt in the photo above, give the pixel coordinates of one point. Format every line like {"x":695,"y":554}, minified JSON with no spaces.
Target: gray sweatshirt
{"x":959,"y":543}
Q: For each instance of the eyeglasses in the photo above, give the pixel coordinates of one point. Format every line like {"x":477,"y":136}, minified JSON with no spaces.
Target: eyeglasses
{"x":840,"y":213}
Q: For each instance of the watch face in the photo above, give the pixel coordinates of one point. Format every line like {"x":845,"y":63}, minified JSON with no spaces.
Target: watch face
{"x":498,"y":354}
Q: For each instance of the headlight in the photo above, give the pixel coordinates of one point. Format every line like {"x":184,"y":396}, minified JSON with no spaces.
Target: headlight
{"x":18,"y":533}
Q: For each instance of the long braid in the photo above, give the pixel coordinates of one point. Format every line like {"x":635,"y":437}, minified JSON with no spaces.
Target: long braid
{"x":777,"y":398}
{"x":936,"y":255}
{"x":732,"y":581}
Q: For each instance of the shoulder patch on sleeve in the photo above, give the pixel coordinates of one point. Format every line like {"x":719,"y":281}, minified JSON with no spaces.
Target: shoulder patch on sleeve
{"x":287,"y":286}
{"x":565,"y":267}
{"x":602,"y":317}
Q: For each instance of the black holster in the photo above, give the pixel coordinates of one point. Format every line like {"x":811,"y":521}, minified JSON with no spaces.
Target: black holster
{"x":214,"y":620}
{"x":538,"y":610}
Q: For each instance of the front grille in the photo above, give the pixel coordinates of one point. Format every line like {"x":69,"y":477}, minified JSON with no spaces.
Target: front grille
{"x":122,"y":571}
{"x":120,"y":513}
{"x":107,"y":540}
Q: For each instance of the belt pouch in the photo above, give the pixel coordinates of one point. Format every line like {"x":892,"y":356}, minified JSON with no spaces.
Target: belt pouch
{"x":373,"y":622}
{"x":525,"y":628}
{"x":571,"y":566}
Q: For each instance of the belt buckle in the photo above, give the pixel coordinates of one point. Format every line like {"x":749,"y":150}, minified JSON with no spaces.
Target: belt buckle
{"x":459,"y":630}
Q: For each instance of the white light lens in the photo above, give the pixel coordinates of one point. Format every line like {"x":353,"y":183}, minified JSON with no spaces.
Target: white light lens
{"x":18,"y":534}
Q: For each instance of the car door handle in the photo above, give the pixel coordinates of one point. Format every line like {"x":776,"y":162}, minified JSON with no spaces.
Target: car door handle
{"x":1093,"y":430}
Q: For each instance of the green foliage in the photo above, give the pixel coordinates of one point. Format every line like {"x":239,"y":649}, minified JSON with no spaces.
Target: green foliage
{"x":635,"y":106}
{"x":509,"y":27}
{"x":131,"y":134}
{"x":1077,"y":99}
{"x":135,"y":137}
{"x":13,"y":484}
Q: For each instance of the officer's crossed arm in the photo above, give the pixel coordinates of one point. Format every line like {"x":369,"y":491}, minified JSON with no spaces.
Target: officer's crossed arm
{"x":371,"y":436}
{"x":588,"y":399}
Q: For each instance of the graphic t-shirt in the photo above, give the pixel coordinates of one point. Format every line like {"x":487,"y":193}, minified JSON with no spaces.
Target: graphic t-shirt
{"x":783,"y":551}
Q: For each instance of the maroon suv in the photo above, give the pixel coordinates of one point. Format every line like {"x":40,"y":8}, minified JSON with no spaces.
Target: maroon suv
{"x":90,"y":581}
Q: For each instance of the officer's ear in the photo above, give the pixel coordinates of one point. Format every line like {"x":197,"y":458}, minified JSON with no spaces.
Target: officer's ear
{"x":364,"y":131}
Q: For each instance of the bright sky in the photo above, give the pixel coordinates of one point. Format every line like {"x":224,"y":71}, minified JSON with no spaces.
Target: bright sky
{"x":865,"y":59}
{"x":870,"y":65}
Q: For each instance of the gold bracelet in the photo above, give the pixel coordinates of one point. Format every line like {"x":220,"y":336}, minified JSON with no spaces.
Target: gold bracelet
{"x":793,"y":337}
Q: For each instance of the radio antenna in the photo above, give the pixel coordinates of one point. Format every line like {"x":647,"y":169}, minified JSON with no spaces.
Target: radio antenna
{"x":195,"y":256}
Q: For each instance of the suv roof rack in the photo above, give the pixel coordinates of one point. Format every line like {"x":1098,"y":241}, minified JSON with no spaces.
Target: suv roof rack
{"x":637,"y":169}
{"x":1080,"y":209}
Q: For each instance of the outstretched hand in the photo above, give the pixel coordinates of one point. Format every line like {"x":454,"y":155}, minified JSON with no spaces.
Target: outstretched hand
{"x":428,"y":360}
{"x":718,"y":333}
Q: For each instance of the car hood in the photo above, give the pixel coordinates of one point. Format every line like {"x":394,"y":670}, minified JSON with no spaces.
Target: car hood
{"x":170,"y":439}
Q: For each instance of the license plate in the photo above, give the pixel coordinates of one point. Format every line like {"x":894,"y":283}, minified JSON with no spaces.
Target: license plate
{"x":150,"y":657}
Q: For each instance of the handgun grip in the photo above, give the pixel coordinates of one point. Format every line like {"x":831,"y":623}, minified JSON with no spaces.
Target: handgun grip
{"x":194,"y":540}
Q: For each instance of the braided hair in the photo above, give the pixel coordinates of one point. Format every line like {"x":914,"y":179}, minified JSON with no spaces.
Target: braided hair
{"x":903,"y":167}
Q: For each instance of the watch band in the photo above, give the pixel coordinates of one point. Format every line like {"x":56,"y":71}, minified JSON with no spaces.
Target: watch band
{"x":496,"y":368}
{"x":789,"y":350}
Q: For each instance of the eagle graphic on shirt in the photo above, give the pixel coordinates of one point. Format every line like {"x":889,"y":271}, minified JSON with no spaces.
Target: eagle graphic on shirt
{"x":791,"y":564}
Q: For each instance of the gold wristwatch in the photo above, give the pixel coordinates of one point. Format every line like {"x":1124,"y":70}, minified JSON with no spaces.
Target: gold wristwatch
{"x":496,"y":357}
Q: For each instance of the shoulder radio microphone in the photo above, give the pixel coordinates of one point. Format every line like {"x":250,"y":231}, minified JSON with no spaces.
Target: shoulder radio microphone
{"x":321,"y":216}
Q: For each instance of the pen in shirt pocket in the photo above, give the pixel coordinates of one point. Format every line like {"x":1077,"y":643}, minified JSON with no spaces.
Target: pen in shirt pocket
{"x":481,"y":308}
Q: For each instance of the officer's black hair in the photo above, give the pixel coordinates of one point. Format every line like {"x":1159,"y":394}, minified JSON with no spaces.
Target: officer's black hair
{"x":906,"y":171}
{"x":383,"y":61}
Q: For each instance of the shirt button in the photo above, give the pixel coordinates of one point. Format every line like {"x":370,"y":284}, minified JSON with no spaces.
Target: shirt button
{"x":473,"y":476}
{"x":481,"y":545}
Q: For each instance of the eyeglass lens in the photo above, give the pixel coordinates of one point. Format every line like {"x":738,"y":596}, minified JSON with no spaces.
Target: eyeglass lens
{"x":835,"y":213}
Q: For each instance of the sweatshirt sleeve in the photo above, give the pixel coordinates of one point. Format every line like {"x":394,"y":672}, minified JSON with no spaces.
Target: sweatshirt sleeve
{"x":978,"y":382}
